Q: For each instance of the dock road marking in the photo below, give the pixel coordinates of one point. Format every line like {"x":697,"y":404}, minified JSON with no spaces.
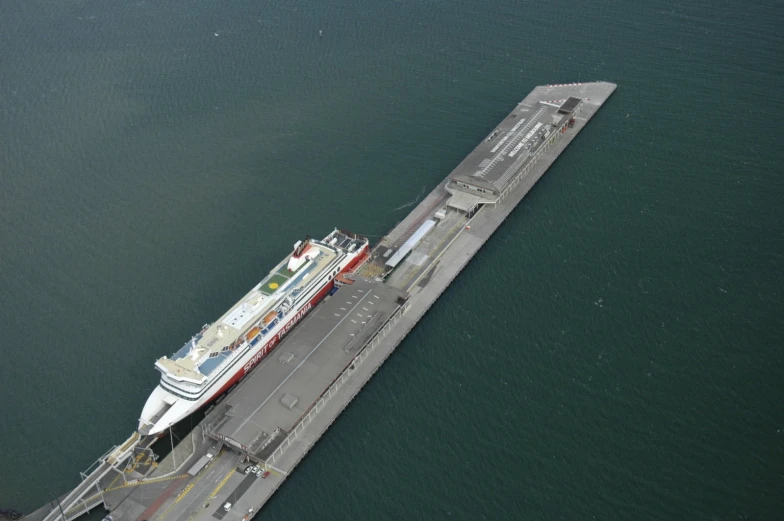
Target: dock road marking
{"x":220,"y":485}
{"x":141,"y":482}
{"x":114,"y":481}
{"x":186,"y":490}
{"x":305,"y":359}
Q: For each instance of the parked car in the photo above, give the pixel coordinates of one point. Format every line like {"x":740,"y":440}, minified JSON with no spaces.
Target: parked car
{"x":227,"y":507}
{"x":266,"y":473}
{"x":248,"y":469}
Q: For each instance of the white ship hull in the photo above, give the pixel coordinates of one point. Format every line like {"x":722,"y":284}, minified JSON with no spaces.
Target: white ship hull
{"x":170,"y":403}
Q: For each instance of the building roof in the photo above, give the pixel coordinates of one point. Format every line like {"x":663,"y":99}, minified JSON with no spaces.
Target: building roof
{"x":569,"y":105}
{"x":273,"y":398}
{"x":465,"y":201}
{"x":474,"y":181}
{"x":409,"y":245}
{"x":493,"y":163}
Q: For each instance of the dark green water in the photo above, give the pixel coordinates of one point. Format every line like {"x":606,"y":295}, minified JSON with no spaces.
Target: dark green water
{"x":614,"y":352}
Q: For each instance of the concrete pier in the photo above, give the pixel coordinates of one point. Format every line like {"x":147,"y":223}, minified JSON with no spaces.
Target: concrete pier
{"x":278,"y":412}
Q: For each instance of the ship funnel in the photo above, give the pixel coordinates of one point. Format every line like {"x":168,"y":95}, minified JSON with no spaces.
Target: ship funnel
{"x":300,"y":246}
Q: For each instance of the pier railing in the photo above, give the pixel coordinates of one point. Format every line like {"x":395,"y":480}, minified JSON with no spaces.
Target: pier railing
{"x":368,"y":348}
{"x":532,"y":160}
{"x":83,"y":506}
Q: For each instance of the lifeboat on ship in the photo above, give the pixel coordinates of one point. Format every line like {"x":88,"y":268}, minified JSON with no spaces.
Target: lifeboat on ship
{"x":252,"y":334}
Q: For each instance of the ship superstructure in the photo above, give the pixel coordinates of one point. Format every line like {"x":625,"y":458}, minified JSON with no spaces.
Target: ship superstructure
{"x":224,"y":351}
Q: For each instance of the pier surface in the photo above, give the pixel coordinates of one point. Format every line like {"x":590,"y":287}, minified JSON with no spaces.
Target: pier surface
{"x":278,"y":412}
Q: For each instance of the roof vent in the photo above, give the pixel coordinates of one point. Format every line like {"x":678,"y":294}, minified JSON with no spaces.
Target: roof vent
{"x":289,"y":401}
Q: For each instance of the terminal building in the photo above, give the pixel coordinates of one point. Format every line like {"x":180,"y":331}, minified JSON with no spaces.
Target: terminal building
{"x":502,"y":159}
{"x":484,"y":178}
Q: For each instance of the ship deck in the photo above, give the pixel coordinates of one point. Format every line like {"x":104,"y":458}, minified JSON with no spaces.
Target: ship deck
{"x":241,"y":317}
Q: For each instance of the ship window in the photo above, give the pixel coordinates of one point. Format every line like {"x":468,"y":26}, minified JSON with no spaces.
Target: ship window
{"x":189,"y":398}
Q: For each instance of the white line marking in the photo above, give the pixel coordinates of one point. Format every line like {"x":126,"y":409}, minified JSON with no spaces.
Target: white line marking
{"x":273,"y":393}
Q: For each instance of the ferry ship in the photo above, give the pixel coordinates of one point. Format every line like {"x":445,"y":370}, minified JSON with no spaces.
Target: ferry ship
{"x":225,"y":351}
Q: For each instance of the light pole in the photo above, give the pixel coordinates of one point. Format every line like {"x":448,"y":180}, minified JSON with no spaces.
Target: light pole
{"x":174,"y":456}
{"x":58,"y":502}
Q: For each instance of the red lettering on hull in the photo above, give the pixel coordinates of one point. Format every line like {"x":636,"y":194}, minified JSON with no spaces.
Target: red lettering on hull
{"x":273,"y":342}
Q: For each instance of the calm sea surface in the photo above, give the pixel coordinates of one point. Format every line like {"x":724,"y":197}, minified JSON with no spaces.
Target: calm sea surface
{"x":614,"y":352}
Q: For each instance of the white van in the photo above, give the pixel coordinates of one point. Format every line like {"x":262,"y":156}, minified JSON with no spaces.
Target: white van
{"x":227,"y":507}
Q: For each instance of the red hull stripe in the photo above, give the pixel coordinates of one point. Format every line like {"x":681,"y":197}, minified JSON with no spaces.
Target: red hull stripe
{"x":269,"y":346}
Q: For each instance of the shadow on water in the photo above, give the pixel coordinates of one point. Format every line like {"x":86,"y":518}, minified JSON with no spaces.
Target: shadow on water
{"x":163,"y":446}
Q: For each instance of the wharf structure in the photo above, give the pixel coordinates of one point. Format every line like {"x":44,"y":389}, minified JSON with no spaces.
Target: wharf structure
{"x":254,"y":436}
